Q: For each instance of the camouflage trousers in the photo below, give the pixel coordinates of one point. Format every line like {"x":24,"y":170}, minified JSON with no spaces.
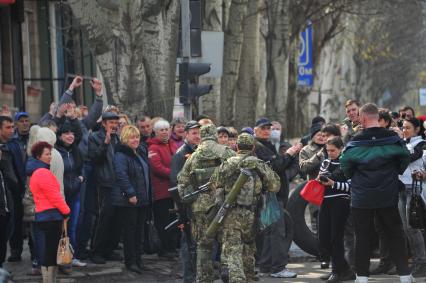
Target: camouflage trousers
{"x":238,"y":246}
{"x":200,"y":223}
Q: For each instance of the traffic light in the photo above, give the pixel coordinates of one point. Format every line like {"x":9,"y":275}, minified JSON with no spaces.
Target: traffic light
{"x":188,"y":78}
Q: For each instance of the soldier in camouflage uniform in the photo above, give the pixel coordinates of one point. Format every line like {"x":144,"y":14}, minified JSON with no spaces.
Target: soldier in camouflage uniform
{"x":196,"y":172}
{"x":238,"y":245}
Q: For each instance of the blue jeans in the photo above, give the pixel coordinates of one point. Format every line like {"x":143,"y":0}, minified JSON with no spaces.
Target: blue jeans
{"x":74,"y":204}
{"x":88,"y":198}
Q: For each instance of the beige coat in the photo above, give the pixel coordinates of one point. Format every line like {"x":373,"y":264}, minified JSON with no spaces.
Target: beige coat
{"x":310,"y":160}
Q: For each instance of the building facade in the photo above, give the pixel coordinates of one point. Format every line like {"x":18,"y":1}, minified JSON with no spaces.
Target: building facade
{"x":41,"y":48}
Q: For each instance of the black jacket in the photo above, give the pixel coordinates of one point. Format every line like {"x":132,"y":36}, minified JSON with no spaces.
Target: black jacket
{"x":131,"y":179}
{"x":266,"y":151}
{"x":178,"y":160}
{"x":73,"y":168}
{"x":102,"y":157}
{"x":9,"y":172}
{"x":372,"y":160}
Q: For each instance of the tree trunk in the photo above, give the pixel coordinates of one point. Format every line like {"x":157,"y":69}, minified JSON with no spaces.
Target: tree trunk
{"x":134,"y":43}
{"x":277,"y":48}
{"x":249,"y":71}
{"x":231,"y":60}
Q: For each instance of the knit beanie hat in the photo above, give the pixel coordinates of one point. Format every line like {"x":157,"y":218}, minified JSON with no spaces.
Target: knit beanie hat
{"x":315,"y":128}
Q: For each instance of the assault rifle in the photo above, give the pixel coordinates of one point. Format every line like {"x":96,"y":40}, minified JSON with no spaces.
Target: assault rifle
{"x":201,"y":189}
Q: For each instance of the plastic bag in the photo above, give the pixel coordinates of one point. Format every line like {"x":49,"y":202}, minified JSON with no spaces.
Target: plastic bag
{"x":65,"y":252}
{"x":313,"y":192}
{"x":271,"y":211}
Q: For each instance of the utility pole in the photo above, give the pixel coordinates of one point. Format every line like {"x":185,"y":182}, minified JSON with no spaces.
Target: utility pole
{"x":186,"y":44}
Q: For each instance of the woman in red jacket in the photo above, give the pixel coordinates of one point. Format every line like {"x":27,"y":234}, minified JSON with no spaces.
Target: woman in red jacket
{"x":50,"y":206}
{"x":161,"y":150}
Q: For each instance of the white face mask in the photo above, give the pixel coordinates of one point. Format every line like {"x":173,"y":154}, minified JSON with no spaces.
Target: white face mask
{"x":275,"y":136}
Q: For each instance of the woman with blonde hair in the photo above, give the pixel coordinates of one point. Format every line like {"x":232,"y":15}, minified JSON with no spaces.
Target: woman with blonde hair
{"x":131,"y":194}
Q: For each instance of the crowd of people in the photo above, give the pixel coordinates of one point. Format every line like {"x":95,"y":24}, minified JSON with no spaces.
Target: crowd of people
{"x":108,"y":179}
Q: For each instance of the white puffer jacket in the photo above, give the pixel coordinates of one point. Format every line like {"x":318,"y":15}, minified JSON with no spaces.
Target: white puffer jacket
{"x":415,"y":165}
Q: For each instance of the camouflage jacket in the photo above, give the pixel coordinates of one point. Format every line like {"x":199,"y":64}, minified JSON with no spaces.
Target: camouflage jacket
{"x":264,"y":178}
{"x":209,"y":149}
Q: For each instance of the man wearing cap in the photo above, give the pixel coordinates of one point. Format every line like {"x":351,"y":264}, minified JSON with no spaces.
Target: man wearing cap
{"x":273,"y":253}
{"x":238,"y":246}
{"x":22,"y":131}
{"x":196,"y":172}
{"x":101,"y":153}
{"x":192,"y":140}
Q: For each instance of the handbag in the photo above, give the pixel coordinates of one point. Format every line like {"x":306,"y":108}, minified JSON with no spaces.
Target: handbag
{"x":65,"y":252}
{"x":416,"y":211}
{"x":313,"y":192}
{"x":151,"y":243}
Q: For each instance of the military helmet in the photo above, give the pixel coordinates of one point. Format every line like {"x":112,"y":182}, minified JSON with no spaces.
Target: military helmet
{"x":208,"y":131}
{"x":245,"y":139}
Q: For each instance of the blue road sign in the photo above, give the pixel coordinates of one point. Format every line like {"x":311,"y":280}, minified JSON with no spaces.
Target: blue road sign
{"x":305,"y":76}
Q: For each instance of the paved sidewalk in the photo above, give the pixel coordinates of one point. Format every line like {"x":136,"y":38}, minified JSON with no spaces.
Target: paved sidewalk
{"x":155,"y":270}
{"x":162,"y":270}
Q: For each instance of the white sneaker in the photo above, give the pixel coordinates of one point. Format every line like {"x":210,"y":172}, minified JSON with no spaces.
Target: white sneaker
{"x":285,"y":273}
{"x":78,"y":263}
{"x":407,"y":279}
{"x":361,"y":279}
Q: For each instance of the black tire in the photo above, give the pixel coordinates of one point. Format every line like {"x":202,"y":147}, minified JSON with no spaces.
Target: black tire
{"x":303,"y":236}
{"x":289,"y":226}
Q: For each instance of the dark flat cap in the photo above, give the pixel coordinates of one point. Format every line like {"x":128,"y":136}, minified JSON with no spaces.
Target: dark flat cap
{"x":192,"y":125}
{"x":109,"y":116}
